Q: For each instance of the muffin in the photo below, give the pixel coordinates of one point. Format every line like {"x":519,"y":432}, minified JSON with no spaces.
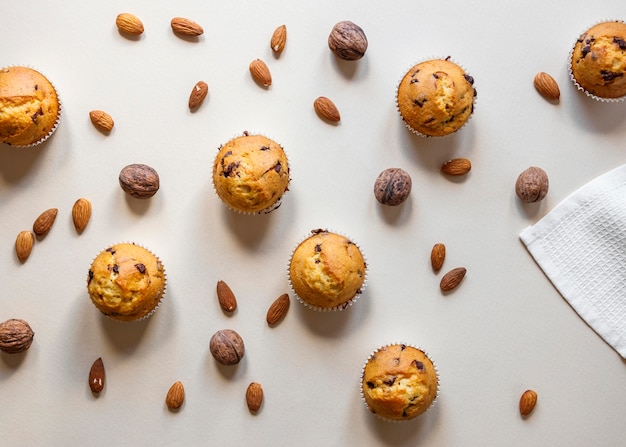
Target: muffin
{"x":251,"y":174}
{"x":399,"y":382}
{"x":598,"y":61}
{"x":327,"y":271}
{"x":30,"y":108}
{"x":436,"y":97}
{"x":126,"y":282}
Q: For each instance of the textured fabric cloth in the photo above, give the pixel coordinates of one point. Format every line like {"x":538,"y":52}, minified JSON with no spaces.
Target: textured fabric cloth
{"x":581,"y":247}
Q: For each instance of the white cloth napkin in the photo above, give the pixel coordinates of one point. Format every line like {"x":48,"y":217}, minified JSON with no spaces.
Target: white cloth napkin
{"x":581,"y":247}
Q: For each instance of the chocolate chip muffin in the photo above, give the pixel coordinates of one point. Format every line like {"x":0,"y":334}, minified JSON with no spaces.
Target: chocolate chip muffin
{"x":399,"y":382}
{"x":436,"y":97}
{"x":598,"y":61}
{"x":126,"y":282}
{"x":251,"y":174}
{"x":30,"y":108}
{"x":327,"y":271}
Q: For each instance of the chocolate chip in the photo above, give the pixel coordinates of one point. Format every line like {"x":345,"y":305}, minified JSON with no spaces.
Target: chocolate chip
{"x":435,"y":75}
{"x":229,"y":170}
{"x":609,"y":76}
{"x":90,"y":275}
{"x":37,"y":114}
{"x":370,"y":385}
{"x":413,"y":81}
{"x":116,"y":269}
{"x":419,"y":103}
{"x":469,"y":79}
{"x":585,"y":51}
{"x":228,"y":153}
{"x":141,"y":268}
{"x":36,"y":87}
{"x":110,"y":250}
{"x":390,"y":381}
{"x":278,"y":167}
{"x":265,"y":148}
{"x":620,"y":42}
{"x":419,"y":365}
{"x":318,"y":248}
{"x":429,"y":120}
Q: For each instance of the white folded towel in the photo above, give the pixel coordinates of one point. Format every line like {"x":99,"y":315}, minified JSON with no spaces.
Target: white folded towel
{"x":581,"y":247}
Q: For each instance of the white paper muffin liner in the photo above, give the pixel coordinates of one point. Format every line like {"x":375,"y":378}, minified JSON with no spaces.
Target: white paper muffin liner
{"x":273,"y":206}
{"x":59,"y":114}
{"x":163,"y":291}
{"x":416,"y":132}
{"x":400,"y":421}
{"x":339,"y":307}
{"x":571,"y":72}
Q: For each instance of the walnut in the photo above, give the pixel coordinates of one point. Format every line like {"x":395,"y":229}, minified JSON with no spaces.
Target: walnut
{"x":532,"y":185}
{"x":347,"y":41}
{"x":392,"y":187}
{"x":15,"y":336}
{"x":139,"y":181}
{"x":227,"y":347}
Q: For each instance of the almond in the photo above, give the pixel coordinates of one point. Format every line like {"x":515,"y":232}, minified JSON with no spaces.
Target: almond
{"x":260,"y":73}
{"x":456,"y":166}
{"x":437,"y":256}
{"x":81,"y":213}
{"x":24,"y":245}
{"x":101,"y":120}
{"x":279,"y":38}
{"x":452,"y":279}
{"x":326,"y":109}
{"x":185,"y":26}
{"x":44,"y":222}
{"x":254,"y":396}
{"x":198,"y":93}
{"x":527,"y":402}
{"x":96,"y":376}
{"x":547,"y":86}
{"x":226,"y":297}
{"x":175,"y":396}
{"x":278,"y":309}
{"x":129,"y":23}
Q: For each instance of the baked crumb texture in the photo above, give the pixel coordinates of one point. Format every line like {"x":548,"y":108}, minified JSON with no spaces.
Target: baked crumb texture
{"x":436,"y":97}
{"x":327,"y":271}
{"x":399,"y":382}
{"x":29,"y":106}
{"x":126,"y":282}
{"x":251,"y":174}
{"x":598,"y":63}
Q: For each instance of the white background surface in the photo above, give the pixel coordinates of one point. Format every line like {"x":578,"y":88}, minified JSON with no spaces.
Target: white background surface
{"x":505,"y":329}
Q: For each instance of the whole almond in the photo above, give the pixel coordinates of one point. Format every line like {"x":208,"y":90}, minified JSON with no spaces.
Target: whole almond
{"x":456,"y":166}
{"x":452,"y":279}
{"x":326,"y":109}
{"x":101,"y":120}
{"x":547,"y":86}
{"x":254,"y":396}
{"x":24,"y":245}
{"x":96,"y":376}
{"x":129,"y":23}
{"x":278,"y":309}
{"x":437,"y":256}
{"x":226,"y":297}
{"x":279,"y":38}
{"x":260,"y":73}
{"x":198,"y":93}
{"x":81,"y":213}
{"x":15,"y":336}
{"x":44,"y":222}
{"x":185,"y":26}
{"x":175,"y":396}
{"x":527,"y":402}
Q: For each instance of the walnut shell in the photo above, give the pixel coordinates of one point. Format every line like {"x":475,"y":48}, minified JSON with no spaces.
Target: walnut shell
{"x":227,"y":347}
{"x":15,"y":336}
{"x":347,"y":41}
{"x":139,"y":180}
{"x":532,"y":185}
{"x":392,"y":187}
